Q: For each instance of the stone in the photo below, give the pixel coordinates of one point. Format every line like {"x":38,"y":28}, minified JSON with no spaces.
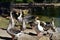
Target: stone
{"x":56,"y":36}
{"x":27,"y":37}
{"x":44,"y":38}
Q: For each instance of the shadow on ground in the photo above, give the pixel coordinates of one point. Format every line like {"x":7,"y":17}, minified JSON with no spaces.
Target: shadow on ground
{"x":3,"y":29}
{"x":5,"y":38}
{"x":32,"y":34}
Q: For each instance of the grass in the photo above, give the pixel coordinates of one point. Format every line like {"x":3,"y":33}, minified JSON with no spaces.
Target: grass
{"x":3,"y":22}
{"x":45,"y":18}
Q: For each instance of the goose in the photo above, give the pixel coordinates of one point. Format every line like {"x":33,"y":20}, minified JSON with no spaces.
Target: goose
{"x":20,"y":18}
{"x":48,"y":25}
{"x":11,"y":28}
{"x":52,"y":22}
{"x":25,"y":19}
{"x":40,"y":28}
{"x":53,"y":25}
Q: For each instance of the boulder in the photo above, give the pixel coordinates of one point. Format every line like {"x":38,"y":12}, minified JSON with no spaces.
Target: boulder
{"x":44,"y":38}
{"x":27,"y":37}
{"x":56,"y":36}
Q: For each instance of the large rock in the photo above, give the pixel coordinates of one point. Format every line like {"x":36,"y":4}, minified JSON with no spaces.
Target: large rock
{"x":31,"y":37}
{"x":44,"y":38}
{"x":56,"y":36}
{"x":27,"y":37}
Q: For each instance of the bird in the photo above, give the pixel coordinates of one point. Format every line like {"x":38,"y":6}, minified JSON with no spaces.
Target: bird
{"x":11,"y":28}
{"x":24,"y":19}
{"x":43,"y":23}
{"x":53,"y":25}
{"x":52,"y":22}
{"x":40,"y":28}
{"x":49,"y":25}
{"x":20,"y":18}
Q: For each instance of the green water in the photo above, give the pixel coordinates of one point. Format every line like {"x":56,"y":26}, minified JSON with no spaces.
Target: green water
{"x":57,"y":22}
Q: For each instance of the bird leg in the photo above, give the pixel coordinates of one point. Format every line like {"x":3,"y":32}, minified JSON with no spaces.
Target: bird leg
{"x":12,"y":37}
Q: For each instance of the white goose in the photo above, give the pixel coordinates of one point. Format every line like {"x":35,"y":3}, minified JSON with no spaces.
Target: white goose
{"x":10,"y":30}
{"x":21,"y":20}
{"x":20,"y":16}
{"x":40,"y":28}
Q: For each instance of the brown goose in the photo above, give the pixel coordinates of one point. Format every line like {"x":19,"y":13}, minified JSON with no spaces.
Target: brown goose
{"x":11,"y":28}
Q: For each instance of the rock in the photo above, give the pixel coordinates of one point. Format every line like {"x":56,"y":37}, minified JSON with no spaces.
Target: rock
{"x":27,"y":37}
{"x":56,"y":36}
{"x":44,"y":38}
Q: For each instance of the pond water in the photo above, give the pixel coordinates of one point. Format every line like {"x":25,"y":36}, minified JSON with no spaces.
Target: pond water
{"x":57,"y":24}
